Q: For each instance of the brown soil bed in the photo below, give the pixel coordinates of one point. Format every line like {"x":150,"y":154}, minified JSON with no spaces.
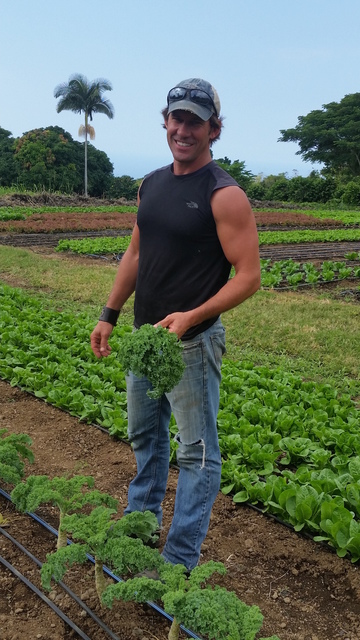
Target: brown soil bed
{"x":304,"y":591}
{"x":59,"y":222}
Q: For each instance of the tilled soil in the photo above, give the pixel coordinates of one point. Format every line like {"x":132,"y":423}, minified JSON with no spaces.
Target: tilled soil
{"x":303,"y":589}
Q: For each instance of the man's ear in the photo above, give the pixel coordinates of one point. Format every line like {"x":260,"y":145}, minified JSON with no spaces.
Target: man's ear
{"x":214,"y":133}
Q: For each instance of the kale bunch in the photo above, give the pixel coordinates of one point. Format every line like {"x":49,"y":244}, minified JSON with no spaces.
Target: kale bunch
{"x":154,"y":353}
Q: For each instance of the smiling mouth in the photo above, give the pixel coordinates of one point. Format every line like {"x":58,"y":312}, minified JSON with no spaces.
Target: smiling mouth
{"x":182,"y":144}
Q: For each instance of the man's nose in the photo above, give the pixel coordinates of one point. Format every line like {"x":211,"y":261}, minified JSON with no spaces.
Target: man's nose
{"x":183,"y":129}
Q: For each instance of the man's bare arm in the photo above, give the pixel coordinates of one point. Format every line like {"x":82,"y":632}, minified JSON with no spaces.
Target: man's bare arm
{"x":124,"y":286}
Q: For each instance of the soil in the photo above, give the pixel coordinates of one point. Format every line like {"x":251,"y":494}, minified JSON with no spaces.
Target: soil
{"x":303,"y":589}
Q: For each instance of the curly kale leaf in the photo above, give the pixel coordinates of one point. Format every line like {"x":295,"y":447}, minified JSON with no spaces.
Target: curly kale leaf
{"x":14,"y":449}
{"x":154,"y":353}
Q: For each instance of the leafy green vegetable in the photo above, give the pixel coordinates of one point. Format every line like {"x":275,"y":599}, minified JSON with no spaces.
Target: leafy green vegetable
{"x":276,"y":431}
{"x":14,"y":449}
{"x":107,"y":540}
{"x":154,"y":353}
{"x":68,"y":494}
{"x":95,"y":246}
{"x":213,"y":611}
{"x":286,"y":237}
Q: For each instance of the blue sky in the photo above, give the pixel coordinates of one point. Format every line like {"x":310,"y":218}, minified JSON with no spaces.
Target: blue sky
{"x":270,"y":61}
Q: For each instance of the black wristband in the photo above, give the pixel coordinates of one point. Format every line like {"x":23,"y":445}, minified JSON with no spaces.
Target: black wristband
{"x":109,"y":315}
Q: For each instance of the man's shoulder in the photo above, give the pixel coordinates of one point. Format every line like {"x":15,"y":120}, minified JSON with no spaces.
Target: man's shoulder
{"x":158,"y":171}
{"x":220,"y":174}
{"x":222,"y":177}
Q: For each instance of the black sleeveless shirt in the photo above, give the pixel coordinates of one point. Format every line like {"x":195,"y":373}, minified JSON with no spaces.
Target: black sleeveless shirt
{"x":181,"y":262}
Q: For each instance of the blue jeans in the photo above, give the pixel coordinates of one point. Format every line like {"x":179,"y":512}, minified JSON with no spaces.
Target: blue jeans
{"x":195,"y":404}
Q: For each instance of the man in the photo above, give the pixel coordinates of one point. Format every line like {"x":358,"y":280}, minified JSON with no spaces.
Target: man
{"x":194,"y":222}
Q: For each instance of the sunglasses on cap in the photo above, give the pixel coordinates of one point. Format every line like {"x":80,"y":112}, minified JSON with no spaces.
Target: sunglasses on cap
{"x":194,"y":95}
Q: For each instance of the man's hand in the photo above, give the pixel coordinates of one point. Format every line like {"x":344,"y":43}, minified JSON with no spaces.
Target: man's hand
{"x":99,"y":339}
{"x":178,"y":323}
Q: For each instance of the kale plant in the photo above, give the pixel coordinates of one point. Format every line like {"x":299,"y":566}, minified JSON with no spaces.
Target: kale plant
{"x":70,"y":495}
{"x":154,"y":353}
{"x":14,"y":449}
{"x":108,"y":541}
{"x":212,"y":611}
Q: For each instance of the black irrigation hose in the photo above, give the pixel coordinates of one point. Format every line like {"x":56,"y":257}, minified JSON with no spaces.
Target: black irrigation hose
{"x":63,"y":586}
{"x":44,"y":598}
{"x":154,"y":606}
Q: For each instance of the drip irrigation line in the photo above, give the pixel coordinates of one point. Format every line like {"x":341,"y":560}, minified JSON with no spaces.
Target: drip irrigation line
{"x":106,"y":570}
{"x":43,"y":597}
{"x":71,"y":593}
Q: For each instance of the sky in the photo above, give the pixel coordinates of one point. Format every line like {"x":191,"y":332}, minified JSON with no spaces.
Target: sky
{"x":271,"y":61}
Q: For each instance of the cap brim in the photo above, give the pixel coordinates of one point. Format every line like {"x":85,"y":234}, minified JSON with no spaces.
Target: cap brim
{"x":186,"y":105}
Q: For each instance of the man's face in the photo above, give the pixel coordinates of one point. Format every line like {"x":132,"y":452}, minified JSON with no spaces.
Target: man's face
{"x":189,"y":139}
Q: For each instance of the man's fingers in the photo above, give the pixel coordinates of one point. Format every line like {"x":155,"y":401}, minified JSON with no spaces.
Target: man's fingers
{"x":105,"y":349}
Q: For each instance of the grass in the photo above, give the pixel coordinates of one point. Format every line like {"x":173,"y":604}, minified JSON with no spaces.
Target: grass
{"x":312,"y":335}
{"x":74,"y":285}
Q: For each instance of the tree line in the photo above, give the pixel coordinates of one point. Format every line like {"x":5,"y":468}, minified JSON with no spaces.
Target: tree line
{"x":49,"y":159}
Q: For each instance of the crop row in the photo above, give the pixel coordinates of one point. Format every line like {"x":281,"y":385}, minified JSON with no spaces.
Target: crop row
{"x":291,"y":273}
{"x":21,"y":213}
{"x":13,"y":213}
{"x":123,"y":548}
{"x":306,"y":235}
{"x":288,"y":272}
{"x":290,"y":446}
{"x":343,"y":216}
{"x":98,"y":246}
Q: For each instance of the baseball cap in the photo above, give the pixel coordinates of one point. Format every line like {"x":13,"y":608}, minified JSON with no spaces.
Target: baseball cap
{"x":195,"y":95}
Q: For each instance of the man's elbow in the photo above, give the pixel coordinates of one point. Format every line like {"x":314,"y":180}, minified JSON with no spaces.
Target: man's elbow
{"x":254,"y":283}
{"x":257,"y":282}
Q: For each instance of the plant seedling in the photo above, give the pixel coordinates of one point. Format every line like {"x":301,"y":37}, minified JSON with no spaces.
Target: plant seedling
{"x":108,"y":541}
{"x":213,"y":611}
{"x":70,"y":495}
{"x":14,"y":449}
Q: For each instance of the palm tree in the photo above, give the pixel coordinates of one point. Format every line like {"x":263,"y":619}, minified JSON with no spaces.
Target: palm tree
{"x":80,"y":96}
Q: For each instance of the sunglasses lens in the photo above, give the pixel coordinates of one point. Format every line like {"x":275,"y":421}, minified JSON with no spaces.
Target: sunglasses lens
{"x":178,"y":93}
{"x":200,"y":97}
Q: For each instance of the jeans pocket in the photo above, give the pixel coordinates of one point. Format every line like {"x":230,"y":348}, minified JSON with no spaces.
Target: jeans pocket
{"x":218,"y":346}
{"x":192,"y":353}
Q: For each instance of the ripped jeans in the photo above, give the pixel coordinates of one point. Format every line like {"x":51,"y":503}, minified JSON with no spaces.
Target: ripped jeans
{"x":195,"y":404}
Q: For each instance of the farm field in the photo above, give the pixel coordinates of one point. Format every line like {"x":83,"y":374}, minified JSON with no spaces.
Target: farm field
{"x":304,"y":590}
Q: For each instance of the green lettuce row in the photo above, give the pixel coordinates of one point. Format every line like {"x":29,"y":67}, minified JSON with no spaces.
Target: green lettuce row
{"x":346,"y":217}
{"x":277,"y":433}
{"x":115,"y":245}
{"x":48,"y":354}
{"x":295,"y":237}
{"x":95,"y":246}
{"x":291,"y":273}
